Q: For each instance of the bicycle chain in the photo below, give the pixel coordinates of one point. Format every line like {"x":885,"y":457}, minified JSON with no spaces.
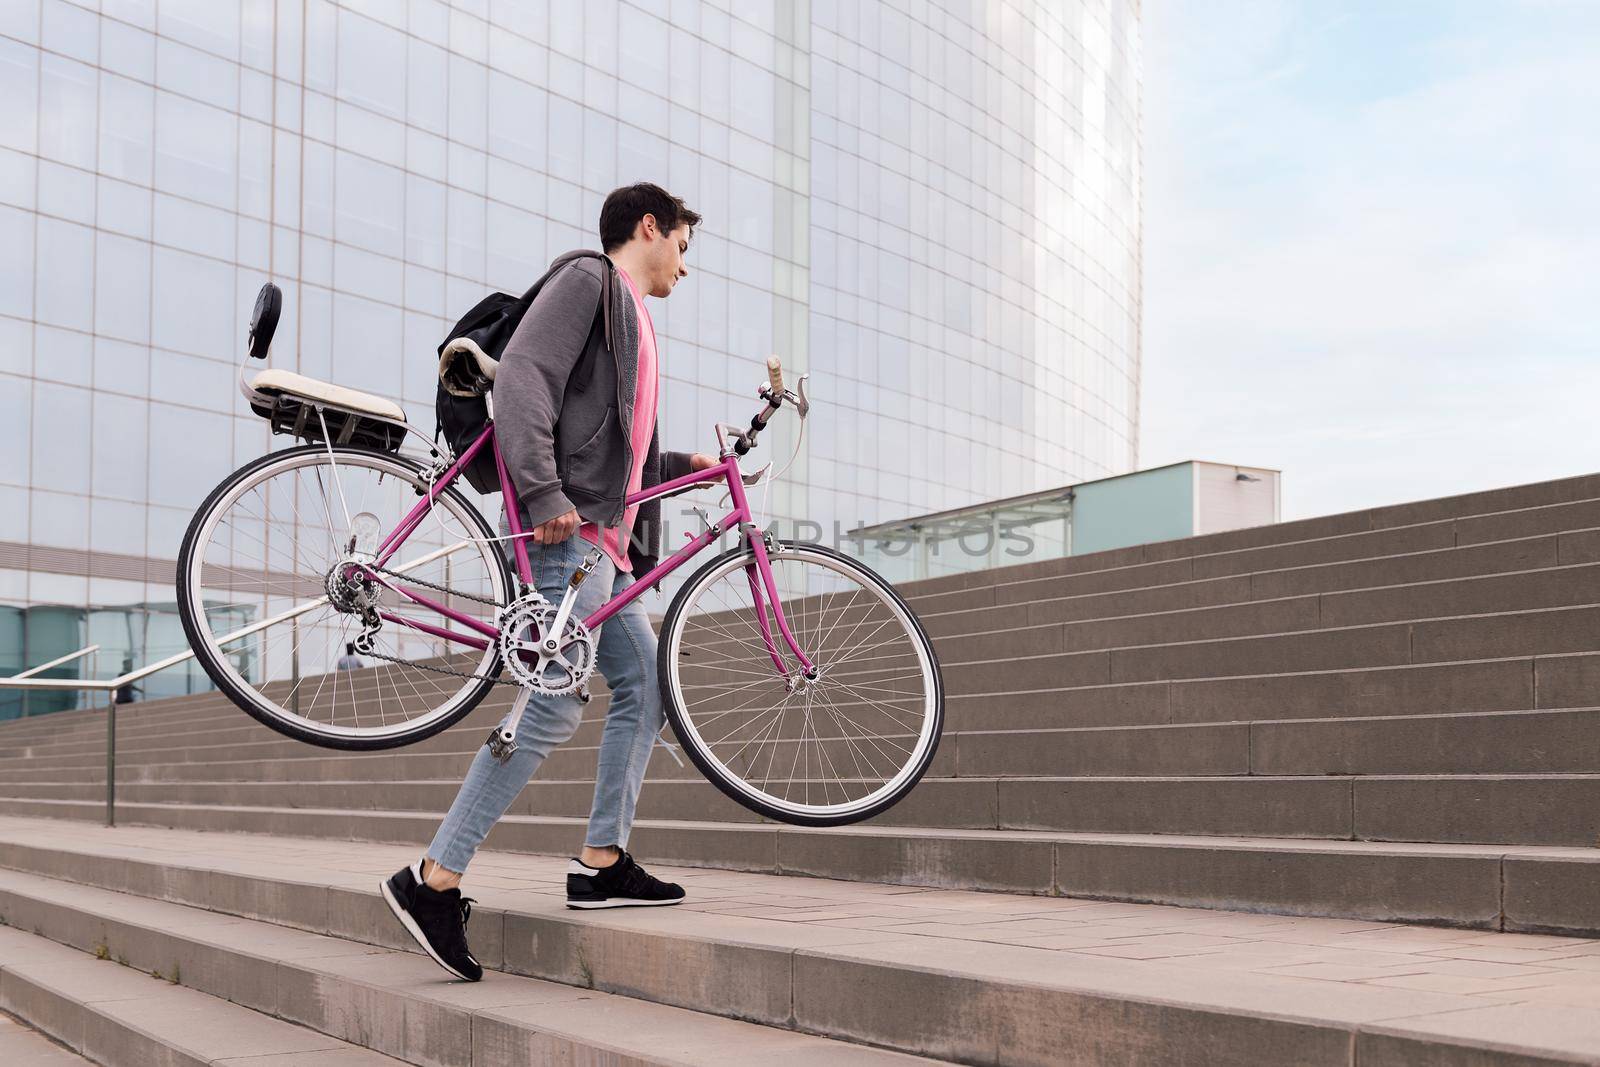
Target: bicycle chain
{"x":450,"y":592}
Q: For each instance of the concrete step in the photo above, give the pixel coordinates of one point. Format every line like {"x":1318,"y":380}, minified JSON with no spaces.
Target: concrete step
{"x":1497,"y":515}
{"x":903,"y":969}
{"x":115,"y":1014}
{"x":1534,"y":888}
{"x":1019,"y":697}
{"x":21,"y":1043}
{"x":392,"y":1001}
{"x":1498,"y":683}
{"x":1072,"y":598}
{"x":1516,"y":742}
{"x":1478,"y":809}
{"x":1467,"y":638}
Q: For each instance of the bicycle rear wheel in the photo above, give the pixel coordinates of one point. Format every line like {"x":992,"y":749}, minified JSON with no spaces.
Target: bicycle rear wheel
{"x":824,"y":752}
{"x":261,"y":601}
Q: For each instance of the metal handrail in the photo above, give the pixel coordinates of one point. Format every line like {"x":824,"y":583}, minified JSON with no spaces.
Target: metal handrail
{"x":25,"y":679}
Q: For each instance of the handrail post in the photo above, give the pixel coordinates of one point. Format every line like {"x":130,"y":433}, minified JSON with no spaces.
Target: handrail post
{"x":111,"y":761}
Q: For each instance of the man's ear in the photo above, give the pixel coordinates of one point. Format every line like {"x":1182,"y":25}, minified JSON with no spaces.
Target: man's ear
{"x":648,"y":227}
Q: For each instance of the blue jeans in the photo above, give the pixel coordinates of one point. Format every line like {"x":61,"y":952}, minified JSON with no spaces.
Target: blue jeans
{"x":626,"y":656}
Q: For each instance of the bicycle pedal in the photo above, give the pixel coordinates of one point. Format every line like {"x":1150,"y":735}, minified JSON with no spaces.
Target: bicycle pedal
{"x":501,"y":744}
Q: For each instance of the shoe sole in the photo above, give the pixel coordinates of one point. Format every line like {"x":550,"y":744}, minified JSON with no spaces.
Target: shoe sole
{"x":592,"y":904}
{"x":416,"y":931}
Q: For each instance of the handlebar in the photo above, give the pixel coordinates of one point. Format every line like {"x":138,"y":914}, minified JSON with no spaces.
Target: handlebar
{"x":774,"y":394}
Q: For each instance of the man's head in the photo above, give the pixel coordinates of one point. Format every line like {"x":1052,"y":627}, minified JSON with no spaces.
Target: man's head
{"x":647,"y":230}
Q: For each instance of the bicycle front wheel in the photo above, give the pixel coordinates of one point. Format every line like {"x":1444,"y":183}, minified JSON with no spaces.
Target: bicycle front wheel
{"x":812,"y":752}
{"x":266,"y":599}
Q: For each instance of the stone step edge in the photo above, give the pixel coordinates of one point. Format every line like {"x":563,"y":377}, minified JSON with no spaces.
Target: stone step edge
{"x":1527,"y":888}
{"x":1265,"y":602}
{"x":969,"y":779}
{"x":1458,"y":578}
{"x":149,"y":930}
{"x":747,"y":955}
{"x":55,"y":992}
{"x":89,"y":740}
{"x":1350,"y":591}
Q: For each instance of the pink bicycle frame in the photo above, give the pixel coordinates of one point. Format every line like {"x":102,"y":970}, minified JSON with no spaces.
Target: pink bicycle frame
{"x":763,"y":587}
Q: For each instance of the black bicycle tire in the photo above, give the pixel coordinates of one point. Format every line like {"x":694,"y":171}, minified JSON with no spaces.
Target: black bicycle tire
{"x":675,"y":714}
{"x":225,"y":684}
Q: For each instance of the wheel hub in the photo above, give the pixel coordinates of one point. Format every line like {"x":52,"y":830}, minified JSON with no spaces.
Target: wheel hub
{"x":348,"y":593}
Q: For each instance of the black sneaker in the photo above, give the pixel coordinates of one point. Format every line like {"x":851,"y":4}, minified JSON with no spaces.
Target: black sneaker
{"x":437,"y":920}
{"x":624,"y":884}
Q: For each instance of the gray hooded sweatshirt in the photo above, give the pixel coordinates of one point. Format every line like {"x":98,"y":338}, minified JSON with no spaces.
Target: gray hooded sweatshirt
{"x":566,"y":437}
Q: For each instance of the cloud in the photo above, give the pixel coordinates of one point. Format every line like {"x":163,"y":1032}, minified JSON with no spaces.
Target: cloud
{"x":1380,"y":283}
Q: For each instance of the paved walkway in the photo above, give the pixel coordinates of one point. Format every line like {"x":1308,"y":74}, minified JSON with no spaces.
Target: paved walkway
{"x":1312,"y":952}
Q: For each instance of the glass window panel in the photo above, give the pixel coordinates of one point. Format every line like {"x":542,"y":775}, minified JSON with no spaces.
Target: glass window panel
{"x":372,"y":68}
{"x":203,"y":24}
{"x":427,"y":86}
{"x":65,"y":274}
{"x":60,"y":447}
{"x":16,"y":422}
{"x":644,"y":43}
{"x":71,"y":30}
{"x":68,"y":105}
{"x":120,"y":446}
{"x":425,"y":222}
{"x":370,"y":203}
{"x":127,"y":115}
{"x":599,"y":151}
{"x":194,"y":227}
{"x":60,"y":521}
{"x":193,"y":306}
{"x":517,"y":121}
{"x":190,"y":72}
{"x":566,"y":139}
{"x":466,"y":234}
{"x":122,"y":287}
{"x":516,"y":247}
{"x":469,"y":101}
{"x":368,"y":274}
{"x":366,"y":337}
{"x":181,"y":474}
{"x":196,"y":149}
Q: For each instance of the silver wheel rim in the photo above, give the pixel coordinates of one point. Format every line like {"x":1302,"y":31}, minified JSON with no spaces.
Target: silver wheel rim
{"x":312,"y":679}
{"x":808,"y":617}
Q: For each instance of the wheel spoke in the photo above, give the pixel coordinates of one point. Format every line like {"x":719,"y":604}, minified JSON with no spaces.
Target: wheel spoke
{"x":260,"y":552}
{"x":829,"y":750}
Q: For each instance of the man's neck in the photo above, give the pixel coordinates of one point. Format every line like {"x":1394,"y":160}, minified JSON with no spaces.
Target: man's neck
{"x":628,"y":259}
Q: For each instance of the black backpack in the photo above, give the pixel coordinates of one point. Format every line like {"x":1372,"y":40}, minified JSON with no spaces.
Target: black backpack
{"x":459,"y":405}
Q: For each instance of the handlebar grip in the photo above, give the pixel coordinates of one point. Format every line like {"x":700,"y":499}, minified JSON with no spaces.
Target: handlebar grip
{"x":775,"y":375}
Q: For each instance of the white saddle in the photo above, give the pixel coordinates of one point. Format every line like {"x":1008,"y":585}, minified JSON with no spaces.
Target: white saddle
{"x":274,"y":382}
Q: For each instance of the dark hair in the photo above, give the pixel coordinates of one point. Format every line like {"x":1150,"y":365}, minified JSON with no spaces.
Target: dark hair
{"x":623,"y":209}
{"x":350,"y":649}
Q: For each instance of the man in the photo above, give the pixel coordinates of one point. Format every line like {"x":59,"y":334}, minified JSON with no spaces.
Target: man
{"x":349,"y":661}
{"x":576,"y":444}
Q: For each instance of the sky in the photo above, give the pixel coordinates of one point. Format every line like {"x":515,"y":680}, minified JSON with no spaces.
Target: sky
{"x":1372,"y":243}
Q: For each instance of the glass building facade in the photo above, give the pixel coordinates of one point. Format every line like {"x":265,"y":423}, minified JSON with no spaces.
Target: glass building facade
{"x":934,"y":208}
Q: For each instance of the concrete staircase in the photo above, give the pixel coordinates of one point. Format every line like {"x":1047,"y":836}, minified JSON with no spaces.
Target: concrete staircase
{"x":1387,"y":715}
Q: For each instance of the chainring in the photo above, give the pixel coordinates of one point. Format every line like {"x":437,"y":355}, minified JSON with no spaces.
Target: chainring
{"x":522,"y":623}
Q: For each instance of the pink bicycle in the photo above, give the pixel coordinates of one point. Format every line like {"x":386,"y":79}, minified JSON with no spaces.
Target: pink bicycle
{"x":799,"y":682}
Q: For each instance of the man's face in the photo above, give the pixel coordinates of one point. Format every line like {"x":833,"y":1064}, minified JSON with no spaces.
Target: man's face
{"x":666,"y":252}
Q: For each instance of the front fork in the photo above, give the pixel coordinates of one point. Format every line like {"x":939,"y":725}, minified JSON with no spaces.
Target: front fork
{"x":759,"y":574}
